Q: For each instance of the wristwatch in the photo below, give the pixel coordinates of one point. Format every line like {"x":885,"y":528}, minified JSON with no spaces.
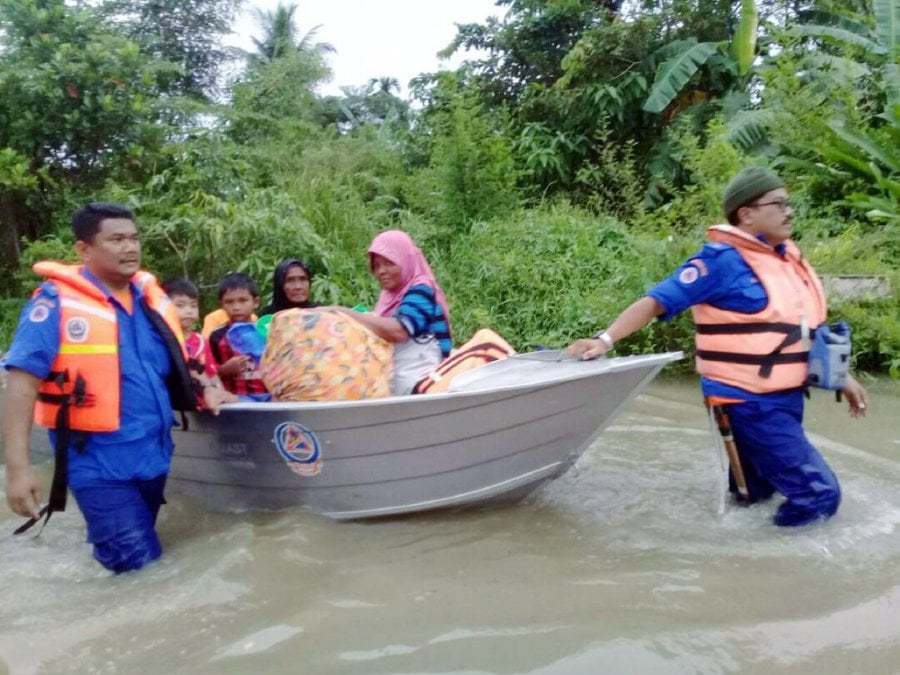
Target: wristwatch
{"x":605,"y":338}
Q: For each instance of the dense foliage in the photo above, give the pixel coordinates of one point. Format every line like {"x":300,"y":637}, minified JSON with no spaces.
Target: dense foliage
{"x":570,"y":163}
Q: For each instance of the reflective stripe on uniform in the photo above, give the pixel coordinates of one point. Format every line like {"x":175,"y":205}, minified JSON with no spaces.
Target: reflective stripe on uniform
{"x":88,"y":309}
{"x":87,"y":349}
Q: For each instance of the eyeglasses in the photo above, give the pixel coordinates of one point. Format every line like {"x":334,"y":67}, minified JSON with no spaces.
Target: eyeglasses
{"x":782,"y":204}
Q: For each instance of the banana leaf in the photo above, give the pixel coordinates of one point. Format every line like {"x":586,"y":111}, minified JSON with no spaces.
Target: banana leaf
{"x":865,"y":143}
{"x":675,"y":73}
{"x":839,"y":35}
{"x":744,"y":43}
{"x":887,"y":23}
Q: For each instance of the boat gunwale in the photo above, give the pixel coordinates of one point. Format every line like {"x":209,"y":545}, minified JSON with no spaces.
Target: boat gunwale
{"x":615,"y":364}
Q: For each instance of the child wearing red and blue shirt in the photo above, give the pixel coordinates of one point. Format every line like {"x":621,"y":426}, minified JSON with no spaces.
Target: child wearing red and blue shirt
{"x":239,"y":372}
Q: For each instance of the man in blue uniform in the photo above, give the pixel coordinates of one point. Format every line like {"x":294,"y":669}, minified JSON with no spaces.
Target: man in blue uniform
{"x":754,"y":301}
{"x":122,"y":383}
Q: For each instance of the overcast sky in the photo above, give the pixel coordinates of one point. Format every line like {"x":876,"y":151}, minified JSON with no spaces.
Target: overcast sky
{"x":376,"y":38}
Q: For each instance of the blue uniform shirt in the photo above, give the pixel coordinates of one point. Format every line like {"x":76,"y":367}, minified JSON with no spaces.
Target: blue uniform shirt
{"x":142,"y":446}
{"x":719,"y":276}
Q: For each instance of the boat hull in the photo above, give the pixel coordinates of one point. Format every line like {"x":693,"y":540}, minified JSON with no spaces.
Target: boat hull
{"x":507,"y":431}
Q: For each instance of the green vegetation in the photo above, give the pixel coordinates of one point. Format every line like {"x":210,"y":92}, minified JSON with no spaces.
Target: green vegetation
{"x":550,"y":181}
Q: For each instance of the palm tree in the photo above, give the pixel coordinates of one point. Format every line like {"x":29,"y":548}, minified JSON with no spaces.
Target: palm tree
{"x":383,"y":85}
{"x":281,"y":35}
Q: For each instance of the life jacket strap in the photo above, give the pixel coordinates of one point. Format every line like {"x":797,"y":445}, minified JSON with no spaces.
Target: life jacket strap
{"x":766,"y":362}
{"x":57,"y":377}
{"x":28,"y":524}
{"x":745,"y":328}
{"x":79,"y":396}
{"x":182,"y":394}
{"x":64,"y":436}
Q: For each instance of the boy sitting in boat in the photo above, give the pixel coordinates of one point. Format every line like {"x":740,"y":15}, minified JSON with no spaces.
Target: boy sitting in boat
{"x":238,"y":366}
{"x":186,"y":298}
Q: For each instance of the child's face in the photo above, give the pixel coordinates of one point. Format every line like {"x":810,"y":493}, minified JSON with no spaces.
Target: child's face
{"x":239,"y":304}
{"x":188,"y":311}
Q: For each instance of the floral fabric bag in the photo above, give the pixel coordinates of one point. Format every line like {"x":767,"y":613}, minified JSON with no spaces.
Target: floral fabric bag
{"x":324,"y":355}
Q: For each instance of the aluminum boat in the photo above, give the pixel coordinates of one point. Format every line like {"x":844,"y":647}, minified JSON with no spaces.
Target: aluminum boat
{"x":500,"y":432}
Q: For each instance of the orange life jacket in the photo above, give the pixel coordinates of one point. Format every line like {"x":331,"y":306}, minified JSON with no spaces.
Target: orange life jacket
{"x":484,"y":347}
{"x":764,"y":351}
{"x":85,"y":372}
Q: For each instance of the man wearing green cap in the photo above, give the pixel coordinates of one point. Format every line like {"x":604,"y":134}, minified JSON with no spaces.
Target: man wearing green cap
{"x":755,"y":303}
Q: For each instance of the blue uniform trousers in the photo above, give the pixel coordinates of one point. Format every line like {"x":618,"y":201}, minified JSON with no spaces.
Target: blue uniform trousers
{"x":776,"y":455}
{"x":121,"y":520}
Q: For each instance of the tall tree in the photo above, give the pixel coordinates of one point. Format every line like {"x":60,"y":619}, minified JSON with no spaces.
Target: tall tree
{"x":186,"y":33}
{"x":281,"y":35}
{"x":583,"y":79}
{"x":470,"y":173}
{"x":527,"y":46}
{"x":275,"y":97}
{"x":375,"y":104}
{"x":75,"y":103}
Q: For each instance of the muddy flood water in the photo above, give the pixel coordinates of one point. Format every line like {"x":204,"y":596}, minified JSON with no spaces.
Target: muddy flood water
{"x":630,"y":563}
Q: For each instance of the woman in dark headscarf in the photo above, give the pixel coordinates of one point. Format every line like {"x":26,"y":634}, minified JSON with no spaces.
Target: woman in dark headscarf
{"x":290,"y":287}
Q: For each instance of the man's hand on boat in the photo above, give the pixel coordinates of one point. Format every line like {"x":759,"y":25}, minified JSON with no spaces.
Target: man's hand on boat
{"x":214,"y":396}
{"x":637,"y":315}
{"x":587,"y":348}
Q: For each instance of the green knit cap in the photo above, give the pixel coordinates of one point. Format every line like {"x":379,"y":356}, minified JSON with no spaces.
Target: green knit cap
{"x":749,"y":184}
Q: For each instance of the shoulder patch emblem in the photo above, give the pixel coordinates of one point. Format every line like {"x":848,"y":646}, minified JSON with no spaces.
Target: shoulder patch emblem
{"x":39,"y":313}
{"x":77,"y":329}
{"x":689,"y":275}
{"x":701,"y":266}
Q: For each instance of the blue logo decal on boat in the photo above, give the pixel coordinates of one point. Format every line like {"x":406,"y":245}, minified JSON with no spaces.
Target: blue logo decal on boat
{"x":299,"y":447}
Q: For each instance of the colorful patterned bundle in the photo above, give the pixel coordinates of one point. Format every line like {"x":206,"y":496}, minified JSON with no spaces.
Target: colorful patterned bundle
{"x":324,"y":355}
{"x":484,"y":347}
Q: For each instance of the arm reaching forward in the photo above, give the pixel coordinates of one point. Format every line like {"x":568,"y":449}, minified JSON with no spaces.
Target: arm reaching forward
{"x":632,"y":319}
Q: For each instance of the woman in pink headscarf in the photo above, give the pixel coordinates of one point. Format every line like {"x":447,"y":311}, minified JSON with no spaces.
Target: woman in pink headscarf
{"x":411,"y":311}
